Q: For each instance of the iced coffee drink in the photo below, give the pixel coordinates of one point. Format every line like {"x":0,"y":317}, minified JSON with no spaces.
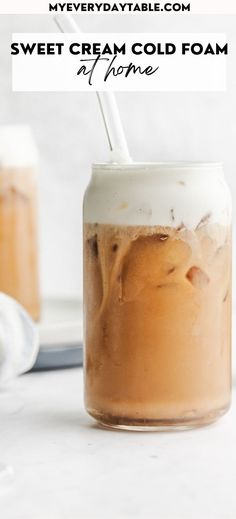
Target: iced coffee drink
{"x":157,"y":295}
{"x":18,"y":218}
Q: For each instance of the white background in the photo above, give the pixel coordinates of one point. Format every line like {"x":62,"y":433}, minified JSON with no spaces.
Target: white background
{"x":69,"y":132}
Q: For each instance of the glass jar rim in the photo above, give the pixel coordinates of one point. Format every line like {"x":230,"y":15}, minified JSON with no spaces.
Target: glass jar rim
{"x":184,"y":166}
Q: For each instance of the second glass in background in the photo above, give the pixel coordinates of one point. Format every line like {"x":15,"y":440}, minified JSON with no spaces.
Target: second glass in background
{"x":18,"y":217}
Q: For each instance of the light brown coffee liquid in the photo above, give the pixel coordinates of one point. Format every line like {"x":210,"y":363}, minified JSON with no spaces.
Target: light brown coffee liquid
{"x":18,"y":238}
{"x":158,"y":324}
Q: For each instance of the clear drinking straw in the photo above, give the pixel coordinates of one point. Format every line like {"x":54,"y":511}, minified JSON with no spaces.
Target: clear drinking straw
{"x":107,"y":103}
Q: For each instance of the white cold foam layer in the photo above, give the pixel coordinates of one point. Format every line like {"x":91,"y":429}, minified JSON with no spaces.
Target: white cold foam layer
{"x":17,"y":147}
{"x":157,"y":194}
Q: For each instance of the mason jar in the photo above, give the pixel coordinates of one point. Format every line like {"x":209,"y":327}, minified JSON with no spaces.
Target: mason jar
{"x":18,"y":217}
{"x":157,"y":295}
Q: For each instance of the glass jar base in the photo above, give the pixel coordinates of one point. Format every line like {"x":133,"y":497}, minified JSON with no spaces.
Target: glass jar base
{"x":161,"y":425}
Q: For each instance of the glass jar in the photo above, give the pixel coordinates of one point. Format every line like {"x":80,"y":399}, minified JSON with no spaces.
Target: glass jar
{"x":18,"y":217}
{"x":157,"y":295}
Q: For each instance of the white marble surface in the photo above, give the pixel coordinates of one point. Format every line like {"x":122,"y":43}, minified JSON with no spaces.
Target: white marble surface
{"x":66,"y":468}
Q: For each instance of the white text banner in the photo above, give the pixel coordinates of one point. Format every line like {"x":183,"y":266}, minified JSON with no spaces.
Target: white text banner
{"x":120,"y":62}
{"x":185,"y":7}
